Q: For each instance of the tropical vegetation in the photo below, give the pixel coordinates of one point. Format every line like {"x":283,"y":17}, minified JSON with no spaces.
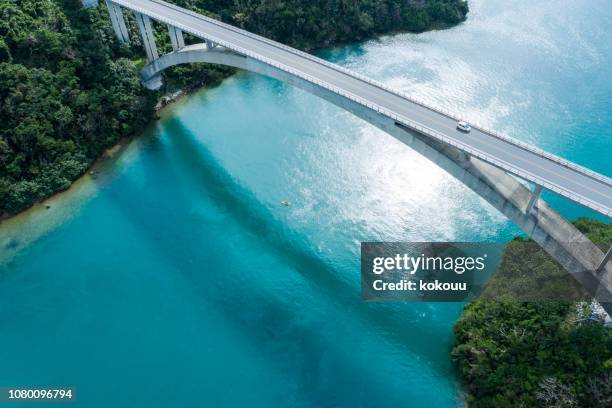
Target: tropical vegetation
{"x":536,"y":354}
{"x":69,"y":90}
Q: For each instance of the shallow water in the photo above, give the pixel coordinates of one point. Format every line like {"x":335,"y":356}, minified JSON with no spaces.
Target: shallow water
{"x":177,"y":277}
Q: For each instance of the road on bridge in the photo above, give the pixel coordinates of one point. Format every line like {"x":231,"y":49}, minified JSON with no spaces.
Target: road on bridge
{"x":575,"y":183}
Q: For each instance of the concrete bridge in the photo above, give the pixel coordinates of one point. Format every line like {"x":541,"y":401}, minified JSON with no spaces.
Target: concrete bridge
{"x":489,"y":163}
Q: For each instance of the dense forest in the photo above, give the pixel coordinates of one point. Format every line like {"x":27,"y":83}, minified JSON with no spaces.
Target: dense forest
{"x":68,"y":90}
{"x":535,"y":354}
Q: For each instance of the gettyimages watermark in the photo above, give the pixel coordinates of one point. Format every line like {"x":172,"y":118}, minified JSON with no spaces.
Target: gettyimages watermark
{"x":463,"y":271}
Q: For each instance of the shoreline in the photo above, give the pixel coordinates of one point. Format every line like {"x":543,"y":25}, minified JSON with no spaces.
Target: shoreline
{"x":110,"y":153}
{"x":168,"y":100}
{"x":91,"y":173}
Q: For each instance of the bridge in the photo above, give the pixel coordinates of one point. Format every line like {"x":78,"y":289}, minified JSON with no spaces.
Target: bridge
{"x":495,"y":166}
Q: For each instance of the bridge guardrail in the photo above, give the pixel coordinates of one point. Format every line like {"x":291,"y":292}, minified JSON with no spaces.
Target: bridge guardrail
{"x":377,"y":108}
{"x":519,"y":143}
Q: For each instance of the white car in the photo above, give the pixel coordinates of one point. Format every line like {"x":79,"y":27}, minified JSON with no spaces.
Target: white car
{"x":464,"y":126}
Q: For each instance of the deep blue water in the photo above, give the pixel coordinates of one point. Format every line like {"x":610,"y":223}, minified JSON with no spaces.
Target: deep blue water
{"x":176,"y":278}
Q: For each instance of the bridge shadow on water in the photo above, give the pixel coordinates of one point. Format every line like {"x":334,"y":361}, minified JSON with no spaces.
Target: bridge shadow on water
{"x":251,"y":311}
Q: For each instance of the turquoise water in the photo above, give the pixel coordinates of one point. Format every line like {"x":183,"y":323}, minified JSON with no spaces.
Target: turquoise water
{"x":176,"y":278}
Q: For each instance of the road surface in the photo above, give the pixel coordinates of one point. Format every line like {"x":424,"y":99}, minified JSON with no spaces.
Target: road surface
{"x":574,"y":182}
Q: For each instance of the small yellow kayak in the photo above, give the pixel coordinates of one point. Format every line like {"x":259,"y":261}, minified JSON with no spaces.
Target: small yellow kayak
{"x":285,"y":203}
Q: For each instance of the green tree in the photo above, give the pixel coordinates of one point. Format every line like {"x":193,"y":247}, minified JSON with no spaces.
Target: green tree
{"x":549,"y":354}
{"x":69,"y":90}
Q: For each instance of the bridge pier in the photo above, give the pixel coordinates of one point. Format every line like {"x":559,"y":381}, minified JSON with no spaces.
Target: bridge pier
{"x":148,"y":39}
{"x":604,"y":261}
{"x":89,"y":3}
{"x":535,"y":196}
{"x":557,"y":236}
{"x":118,"y":22}
{"x":176,"y":38}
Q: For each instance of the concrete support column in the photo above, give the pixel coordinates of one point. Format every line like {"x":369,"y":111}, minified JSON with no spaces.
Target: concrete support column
{"x":605,"y":260}
{"x":176,"y":37}
{"x":89,"y":3}
{"x":146,"y":32}
{"x":210,"y":44}
{"x":118,"y":22}
{"x":534,"y":199}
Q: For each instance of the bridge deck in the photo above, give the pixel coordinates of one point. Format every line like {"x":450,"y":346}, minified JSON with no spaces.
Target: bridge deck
{"x":573,"y":182}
